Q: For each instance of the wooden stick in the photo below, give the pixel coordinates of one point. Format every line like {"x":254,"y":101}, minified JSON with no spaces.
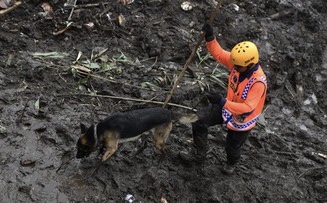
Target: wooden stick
{"x":87,"y":5}
{"x":137,"y":100}
{"x":189,"y":60}
{"x":13,"y":7}
{"x":72,"y":11}
{"x":63,"y":30}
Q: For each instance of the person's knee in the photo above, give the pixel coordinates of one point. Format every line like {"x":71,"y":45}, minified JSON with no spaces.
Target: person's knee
{"x":234,"y":142}
{"x":199,"y":125}
{"x":236,"y":139}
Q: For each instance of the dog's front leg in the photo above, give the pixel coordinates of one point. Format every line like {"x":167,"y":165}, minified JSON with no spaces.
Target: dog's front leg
{"x":109,"y":152}
{"x":111,"y":144}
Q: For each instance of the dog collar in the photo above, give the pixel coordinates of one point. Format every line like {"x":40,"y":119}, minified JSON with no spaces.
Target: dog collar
{"x":95,"y":135}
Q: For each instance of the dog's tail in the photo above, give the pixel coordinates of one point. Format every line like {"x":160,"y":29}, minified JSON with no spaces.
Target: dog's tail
{"x":189,"y":118}
{"x":185,"y":118}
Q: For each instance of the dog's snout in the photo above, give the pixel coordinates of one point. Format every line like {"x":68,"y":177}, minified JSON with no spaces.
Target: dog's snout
{"x":81,"y":154}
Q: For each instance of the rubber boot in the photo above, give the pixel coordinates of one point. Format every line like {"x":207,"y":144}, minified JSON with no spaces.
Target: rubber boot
{"x":196,"y":154}
{"x":199,"y":150}
{"x":228,"y":168}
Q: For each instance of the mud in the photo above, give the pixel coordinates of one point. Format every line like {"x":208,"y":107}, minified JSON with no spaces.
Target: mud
{"x":44,"y":98}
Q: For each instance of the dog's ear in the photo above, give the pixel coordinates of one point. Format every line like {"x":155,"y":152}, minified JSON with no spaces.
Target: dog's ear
{"x":83,"y":128}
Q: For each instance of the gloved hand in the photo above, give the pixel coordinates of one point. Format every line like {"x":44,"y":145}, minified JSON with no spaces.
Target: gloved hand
{"x":216,"y":98}
{"x":208,"y":32}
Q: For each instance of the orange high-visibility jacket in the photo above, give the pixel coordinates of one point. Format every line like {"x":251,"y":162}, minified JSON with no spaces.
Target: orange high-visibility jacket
{"x":245,"y":100}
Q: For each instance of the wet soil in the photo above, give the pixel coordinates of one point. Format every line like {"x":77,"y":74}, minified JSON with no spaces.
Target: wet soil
{"x":47,"y":91}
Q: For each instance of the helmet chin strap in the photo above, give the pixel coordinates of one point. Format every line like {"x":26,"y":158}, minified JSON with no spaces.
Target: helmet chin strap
{"x":250,"y":66}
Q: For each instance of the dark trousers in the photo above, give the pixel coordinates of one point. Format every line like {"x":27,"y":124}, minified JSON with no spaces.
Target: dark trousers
{"x":212,"y":116}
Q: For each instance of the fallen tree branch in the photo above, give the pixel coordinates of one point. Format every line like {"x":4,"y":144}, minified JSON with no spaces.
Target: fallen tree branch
{"x":87,"y":5}
{"x":13,"y":7}
{"x":170,"y":94}
{"x":108,"y":80}
{"x":87,"y":72}
{"x":63,"y":30}
{"x":72,"y":11}
{"x":133,"y":99}
{"x":281,"y":14}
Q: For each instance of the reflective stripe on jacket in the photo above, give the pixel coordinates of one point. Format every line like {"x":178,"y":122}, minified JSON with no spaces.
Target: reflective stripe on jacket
{"x":245,"y":99}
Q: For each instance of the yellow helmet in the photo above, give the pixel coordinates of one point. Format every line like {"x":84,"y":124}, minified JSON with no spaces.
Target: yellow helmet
{"x":244,"y":53}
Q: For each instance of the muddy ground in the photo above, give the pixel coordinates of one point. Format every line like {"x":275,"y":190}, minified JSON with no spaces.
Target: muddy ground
{"x":45,"y":96}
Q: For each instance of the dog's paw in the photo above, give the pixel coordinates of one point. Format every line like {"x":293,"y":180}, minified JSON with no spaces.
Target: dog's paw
{"x":106,"y":156}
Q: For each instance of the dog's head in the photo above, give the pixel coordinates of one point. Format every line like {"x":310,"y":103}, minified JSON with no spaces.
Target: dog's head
{"x":86,"y":142}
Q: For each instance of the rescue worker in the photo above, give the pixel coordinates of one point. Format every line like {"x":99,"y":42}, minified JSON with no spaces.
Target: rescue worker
{"x":246,"y":94}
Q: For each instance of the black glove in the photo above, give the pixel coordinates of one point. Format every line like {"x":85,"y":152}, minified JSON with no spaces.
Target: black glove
{"x":208,"y":32}
{"x":214,"y":98}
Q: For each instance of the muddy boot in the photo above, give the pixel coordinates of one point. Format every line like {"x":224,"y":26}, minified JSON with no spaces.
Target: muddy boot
{"x":197,"y":153}
{"x":194,"y":155}
{"x":228,"y":169}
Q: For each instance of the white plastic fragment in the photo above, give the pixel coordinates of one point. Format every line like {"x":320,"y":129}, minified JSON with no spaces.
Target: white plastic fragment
{"x":186,"y":6}
{"x":163,"y":200}
{"x":303,"y":127}
{"x":109,"y":16}
{"x":236,"y":7}
{"x":89,"y":25}
{"x":312,"y":99}
{"x":130,"y":198}
{"x":125,"y":2}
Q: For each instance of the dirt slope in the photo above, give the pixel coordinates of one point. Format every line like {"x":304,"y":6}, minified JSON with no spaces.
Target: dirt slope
{"x":43,"y":99}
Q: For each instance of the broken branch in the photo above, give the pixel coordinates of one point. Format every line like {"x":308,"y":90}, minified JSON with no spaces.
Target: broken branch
{"x":136,"y":100}
{"x":63,"y":30}
{"x":212,"y":16}
{"x":13,"y":7}
{"x":71,"y":12}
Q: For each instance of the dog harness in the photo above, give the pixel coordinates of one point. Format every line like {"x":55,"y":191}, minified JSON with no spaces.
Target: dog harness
{"x":96,"y":140}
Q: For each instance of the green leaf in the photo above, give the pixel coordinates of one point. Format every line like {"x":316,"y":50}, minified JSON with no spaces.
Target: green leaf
{"x":92,"y":65}
{"x":149,"y":85}
{"x":105,"y":67}
{"x":84,"y":81}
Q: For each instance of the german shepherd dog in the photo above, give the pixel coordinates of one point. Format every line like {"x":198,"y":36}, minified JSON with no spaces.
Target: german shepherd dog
{"x":127,"y":126}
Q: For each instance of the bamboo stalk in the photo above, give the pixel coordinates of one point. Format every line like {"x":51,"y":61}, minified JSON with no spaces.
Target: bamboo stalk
{"x":133,"y":99}
{"x":189,"y":60}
